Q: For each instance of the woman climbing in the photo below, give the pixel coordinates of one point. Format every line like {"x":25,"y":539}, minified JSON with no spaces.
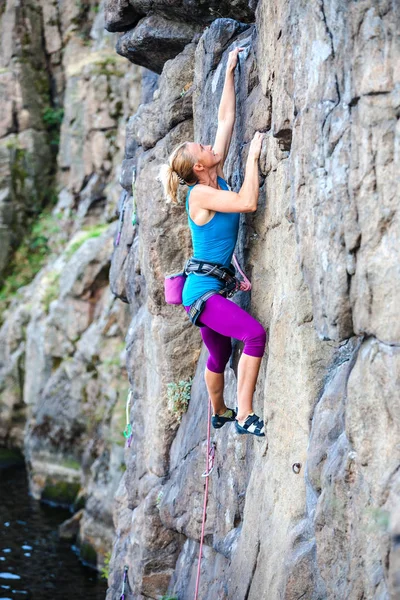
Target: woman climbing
{"x":213,"y":216}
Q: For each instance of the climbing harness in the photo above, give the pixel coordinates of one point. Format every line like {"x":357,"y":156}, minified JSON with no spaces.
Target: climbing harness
{"x":226,"y":274}
{"x":128,"y":429}
{"x":203,"y":269}
{"x":122,"y":596}
{"x":206,"y":474}
{"x":197,"y":307}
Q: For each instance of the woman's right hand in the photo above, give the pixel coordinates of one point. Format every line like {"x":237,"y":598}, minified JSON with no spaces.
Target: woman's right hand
{"x":255,"y":145}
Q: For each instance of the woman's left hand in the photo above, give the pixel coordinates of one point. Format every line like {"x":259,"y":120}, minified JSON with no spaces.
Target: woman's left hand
{"x":233,"y":58}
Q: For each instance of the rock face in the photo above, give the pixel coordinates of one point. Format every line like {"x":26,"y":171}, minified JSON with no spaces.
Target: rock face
{"x":63,"y":382}
{"x":26,"y":161}
{"x":166,"y":27}
{"x":312,"y":511}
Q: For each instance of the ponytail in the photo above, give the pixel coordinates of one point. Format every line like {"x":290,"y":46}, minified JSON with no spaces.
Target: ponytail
{"x":170,"y":182}
{"x":179,"y":170}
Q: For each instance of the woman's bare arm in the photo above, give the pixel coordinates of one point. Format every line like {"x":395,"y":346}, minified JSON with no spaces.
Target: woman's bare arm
{"x":227,"y":109}
{"x":206,"y":197}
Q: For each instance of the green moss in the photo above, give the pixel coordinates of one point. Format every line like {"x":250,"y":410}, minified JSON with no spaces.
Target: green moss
{"x":28,"y":259}
{"x":18,"y":169}
{"x":42,"y":85}
{"x":10,"y":458}
{"x":178,"y":395}
{"x":84,"y":235}
{"x":80,"y":502}
{"x":71,"y":463}
{"x":61,"y":492}
{"x":107,"y":66}
{"x":88,"y":554}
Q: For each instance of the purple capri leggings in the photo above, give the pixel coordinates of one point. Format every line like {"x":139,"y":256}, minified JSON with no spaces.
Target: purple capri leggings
{"x":222,"y":320}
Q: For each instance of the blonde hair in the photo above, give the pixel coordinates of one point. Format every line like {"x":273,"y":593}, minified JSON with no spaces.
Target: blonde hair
{"x":179,"y":170}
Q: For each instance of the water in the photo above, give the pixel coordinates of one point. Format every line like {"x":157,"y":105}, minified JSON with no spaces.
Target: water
{"x":34,"y":563}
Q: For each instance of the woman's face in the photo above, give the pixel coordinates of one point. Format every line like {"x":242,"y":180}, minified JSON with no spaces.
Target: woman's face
{"x":205,"y":155}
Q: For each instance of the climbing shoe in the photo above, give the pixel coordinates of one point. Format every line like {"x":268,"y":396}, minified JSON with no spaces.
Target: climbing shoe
{"x":220,"y":420}
{"x":253,"y":425}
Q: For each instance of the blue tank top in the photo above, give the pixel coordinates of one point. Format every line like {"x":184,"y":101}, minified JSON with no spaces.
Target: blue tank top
{"x":214,"y":242}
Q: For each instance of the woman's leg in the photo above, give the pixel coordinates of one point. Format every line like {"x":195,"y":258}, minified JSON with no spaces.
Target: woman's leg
{"x":220,"y":348}
{"x":229,"y":320}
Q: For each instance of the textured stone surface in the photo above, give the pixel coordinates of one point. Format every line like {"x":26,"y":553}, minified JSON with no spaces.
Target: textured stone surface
{"x":328,"y":384}
{"x":120,"y":15}
{"x":172,"y":102}
{"x":155,"y":40}
{"x":63,"y":382}
{"x":322,"y":254}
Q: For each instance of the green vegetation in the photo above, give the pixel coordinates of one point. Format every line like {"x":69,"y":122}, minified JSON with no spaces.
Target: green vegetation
{"x":178,"y":395}
{"x":88,"y":554}
{"x":105,"y":571}
{"x":107,"y":65}
{"x":29,"y":258}
{"x":60,"y":492}
{"x":18,"y":169}
{"x":10,"y":458}
{"x":83,"y":236}
{"x":169,"y":598}
{"x":71,"y":463}
{"x":79,"y":502}
{"x":52,"y":118}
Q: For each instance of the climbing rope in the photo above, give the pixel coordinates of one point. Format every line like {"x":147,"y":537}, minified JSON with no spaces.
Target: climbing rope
{"x":206,"y":474}
{"x":245,"y":285}
{"x":128,"y":429}
{"x":122,"y":596}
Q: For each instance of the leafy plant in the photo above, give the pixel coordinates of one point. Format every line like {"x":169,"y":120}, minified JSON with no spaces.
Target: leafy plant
{"x":52,"y":118}
{"x":105,"y":570}
{"x":178,"y":395}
